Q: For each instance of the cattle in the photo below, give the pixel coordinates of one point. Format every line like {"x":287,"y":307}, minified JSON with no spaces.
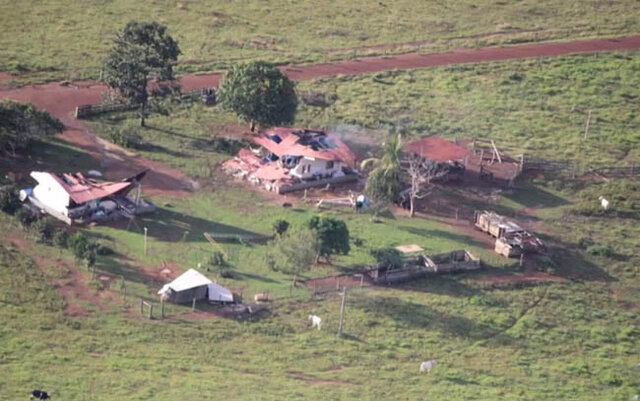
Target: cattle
{"x":425,"y":367}
{"x":316,"y":321}
{"x":262,"y":297}
{"x":39,"y":395}
{"x":604,"y":203}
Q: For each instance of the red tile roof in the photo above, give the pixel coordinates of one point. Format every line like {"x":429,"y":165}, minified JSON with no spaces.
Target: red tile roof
{"x":437,"y":149}
{"x":301,"y":142}
{"x":81,"y":189}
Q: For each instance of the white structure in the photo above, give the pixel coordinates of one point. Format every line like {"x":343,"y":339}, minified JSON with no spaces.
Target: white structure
{"x":316,"y":321}
{"x":309,"y":167}
{"x":425,"y":367}
{"x":193,"y":285}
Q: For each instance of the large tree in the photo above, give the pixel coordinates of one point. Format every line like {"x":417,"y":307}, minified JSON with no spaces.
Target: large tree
{"x":293,"y":252}
{"x":333,"y":236}
{"x":142,"y":51}
{"x":258,"y":92}
{"x":421,"y":173}
{"x":21,"y":123}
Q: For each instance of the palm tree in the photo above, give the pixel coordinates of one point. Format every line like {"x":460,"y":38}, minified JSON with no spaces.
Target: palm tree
{"x":391,"y":151}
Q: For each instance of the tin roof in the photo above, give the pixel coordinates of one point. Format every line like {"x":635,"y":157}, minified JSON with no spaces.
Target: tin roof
{"x":82,"y":189}
{"x":437,"y":149}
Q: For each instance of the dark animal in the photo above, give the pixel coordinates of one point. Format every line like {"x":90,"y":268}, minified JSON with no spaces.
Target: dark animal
{"x":39,"y":395}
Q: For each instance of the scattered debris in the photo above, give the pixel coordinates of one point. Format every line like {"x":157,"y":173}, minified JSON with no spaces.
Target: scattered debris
{"x":74,"y":198}
{"x":290,"y":159}
{"x":511,"y":239}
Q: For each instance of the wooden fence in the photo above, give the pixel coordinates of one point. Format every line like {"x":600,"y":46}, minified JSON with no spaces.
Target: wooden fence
{"x":531,"y":164}
{"x":88,"y":110}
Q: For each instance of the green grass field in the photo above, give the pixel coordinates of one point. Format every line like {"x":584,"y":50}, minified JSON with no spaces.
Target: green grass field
{"x":54,"y":39}
{"x":539,"y":107}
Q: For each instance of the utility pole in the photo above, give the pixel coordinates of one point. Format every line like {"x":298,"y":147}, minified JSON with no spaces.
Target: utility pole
{"x":145,"y":241}
{"x":342,"y":305}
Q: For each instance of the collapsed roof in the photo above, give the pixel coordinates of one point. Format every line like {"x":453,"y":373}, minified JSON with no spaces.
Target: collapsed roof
{"x":303,"y":142}
{"x":437,"y":149}
{"x":82,"y":189}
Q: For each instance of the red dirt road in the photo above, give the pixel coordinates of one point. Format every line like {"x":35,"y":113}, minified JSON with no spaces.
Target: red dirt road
{"x":118,"y":163}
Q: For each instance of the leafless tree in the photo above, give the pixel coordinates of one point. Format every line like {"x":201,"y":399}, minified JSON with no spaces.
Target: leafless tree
{"x":421,"y":174}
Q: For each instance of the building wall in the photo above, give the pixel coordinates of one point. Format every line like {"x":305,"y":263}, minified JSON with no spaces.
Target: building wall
{"x":50,"y":192}
{"x":309,"y":167}
{"x":187,"y":296}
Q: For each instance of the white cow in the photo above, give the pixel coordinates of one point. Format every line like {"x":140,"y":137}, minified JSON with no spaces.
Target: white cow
{"x":604,"y":203}
{"x":425,"y":367}
{"x":315,"y":321}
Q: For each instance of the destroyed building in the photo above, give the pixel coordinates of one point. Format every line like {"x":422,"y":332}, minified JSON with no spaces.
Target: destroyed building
{"x":448,"y":155}
{"x":288,"y":158}
{"x":72,"y":197}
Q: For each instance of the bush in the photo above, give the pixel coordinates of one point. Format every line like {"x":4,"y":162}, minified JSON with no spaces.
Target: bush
{"x":126,"y":137}
{"x":43,"y":230}
{"x":9,"y":200}
{"x":217,"y":264}
{"x":280,"y":226}
{"x":79,"y":245}
{"x":25,"y":217}
{"x":229,"y":146}
{"x":389,"y":257}
{"x":60,"y":238}
{"x":103,"y":250}
{"x":600,"y":250}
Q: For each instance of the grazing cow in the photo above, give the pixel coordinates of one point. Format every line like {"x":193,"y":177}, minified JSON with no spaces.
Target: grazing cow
{"x":315,"y":321}
{"x":39,"y":395}
{"x":262,"y":297}
{"x":425,"y":367}
{"x":604,"y":203}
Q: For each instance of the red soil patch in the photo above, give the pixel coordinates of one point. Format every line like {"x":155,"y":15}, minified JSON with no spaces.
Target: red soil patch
{"x":73,"y":288}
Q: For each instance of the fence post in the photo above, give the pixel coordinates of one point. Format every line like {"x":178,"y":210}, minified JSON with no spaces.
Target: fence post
{"x":162,"y":308}
{"x":193,"y":305}
{"x":141,"y":306}
{"x":150,"y":311}
{"x":342,"y":305}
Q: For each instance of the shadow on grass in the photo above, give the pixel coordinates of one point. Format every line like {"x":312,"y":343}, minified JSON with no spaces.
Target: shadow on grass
{"x":169,"y":132}
{"x":533,"y":196}
{"x":424,"y":232}
{"x":415,"y":315}
{"x":571,"y":263}
{"x":442,"y":285}
{"x":154,"y":148}
{"x":171,"y":226}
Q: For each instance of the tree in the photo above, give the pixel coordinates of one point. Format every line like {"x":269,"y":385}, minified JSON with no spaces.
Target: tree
{"x":333,"y":236}
{"x":142,"y":51}
{"x":388,"y":257}
{"x":293,"y":252}
{"x":385,"y":180}
{"x":20,"y":124}
{"x":258,"y":92}
{"x":280,"y":226}
{"x":421,"y":172}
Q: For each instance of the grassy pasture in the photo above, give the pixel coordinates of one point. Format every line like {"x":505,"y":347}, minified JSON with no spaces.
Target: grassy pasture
{"x":536,"y":106}
{"x":55,"y":39}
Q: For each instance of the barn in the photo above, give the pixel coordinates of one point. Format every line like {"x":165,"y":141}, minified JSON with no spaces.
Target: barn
{"x":193,"y":285}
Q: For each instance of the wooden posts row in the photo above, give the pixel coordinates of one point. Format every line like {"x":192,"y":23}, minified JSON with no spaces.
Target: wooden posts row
{"x":150,"y":306}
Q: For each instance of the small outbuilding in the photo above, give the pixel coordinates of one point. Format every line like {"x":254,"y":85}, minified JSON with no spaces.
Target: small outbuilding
{"x":193,"y":285}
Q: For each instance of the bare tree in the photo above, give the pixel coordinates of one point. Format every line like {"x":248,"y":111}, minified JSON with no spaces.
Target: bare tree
{"x":421,"y":173}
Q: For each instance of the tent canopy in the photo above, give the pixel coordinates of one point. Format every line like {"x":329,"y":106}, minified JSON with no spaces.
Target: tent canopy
{"x":193,"y":279}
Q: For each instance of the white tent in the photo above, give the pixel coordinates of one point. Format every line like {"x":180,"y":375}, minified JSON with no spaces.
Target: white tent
{"x":192,"y":284}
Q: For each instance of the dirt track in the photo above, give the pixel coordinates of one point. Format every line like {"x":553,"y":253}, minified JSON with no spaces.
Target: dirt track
{"x":118,"y":163}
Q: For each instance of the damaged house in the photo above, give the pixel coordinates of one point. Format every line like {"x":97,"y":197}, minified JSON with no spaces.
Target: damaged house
{"x":289,"y":159}
{"x":76,"y":198}
{"x":448,"y":155}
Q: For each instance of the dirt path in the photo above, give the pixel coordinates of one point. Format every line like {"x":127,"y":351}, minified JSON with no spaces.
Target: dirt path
{"x":116,"y":163}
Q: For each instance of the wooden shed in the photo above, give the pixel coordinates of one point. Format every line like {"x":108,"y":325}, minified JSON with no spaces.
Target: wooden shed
{"x":193,"y":285}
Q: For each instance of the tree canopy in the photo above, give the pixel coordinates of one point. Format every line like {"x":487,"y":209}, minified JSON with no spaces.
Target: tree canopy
{"x":293,"y":252}
{"x":140,"y":52}
{"x":333,"y":236}
{"x":385,"y":180}
{"x":258,"y":92}
{"x":21,"y":123}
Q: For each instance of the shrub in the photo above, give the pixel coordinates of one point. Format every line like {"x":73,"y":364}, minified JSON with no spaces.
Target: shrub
{"x":280,"y":226}
{"x":9,"y":200}
{"x":389,"y":257}
{"x":229,"y":146}
{"x":79,"y":245}
{"x":600,"y":250}
{"x":103,"y":250}
{"x":25,"y":217}
{"x":126,"y":137}
{"x":43,"y":230}
{"x":60,"y":237}
{"x":217,"y":263}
